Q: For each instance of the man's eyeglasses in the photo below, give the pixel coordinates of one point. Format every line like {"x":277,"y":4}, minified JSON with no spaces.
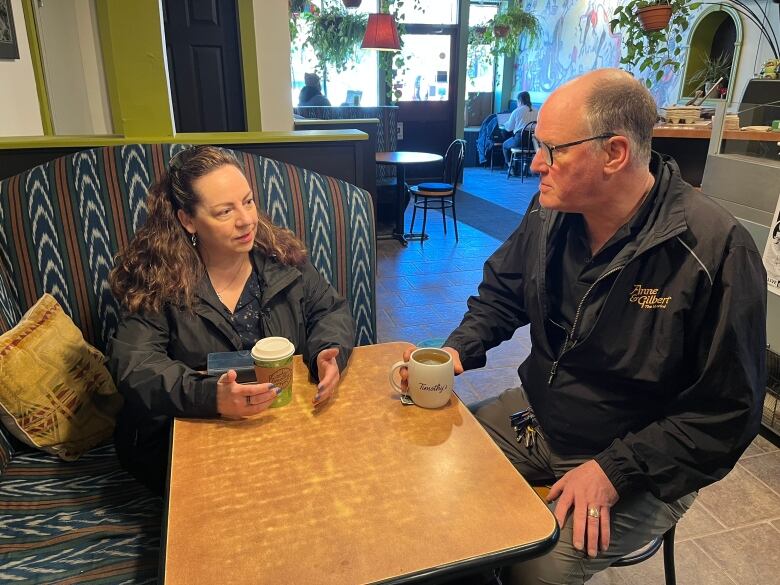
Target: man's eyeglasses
{"x":547,"y":149}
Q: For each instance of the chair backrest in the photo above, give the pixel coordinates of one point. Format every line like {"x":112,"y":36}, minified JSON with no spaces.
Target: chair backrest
{"x":453,"y":162}
{"x":61,"y":224}
{"x":526,"y":136}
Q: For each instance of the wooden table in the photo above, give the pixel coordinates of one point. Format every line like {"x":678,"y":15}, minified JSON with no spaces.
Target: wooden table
{"x":365,"y":491}
{"x":401,"y":159}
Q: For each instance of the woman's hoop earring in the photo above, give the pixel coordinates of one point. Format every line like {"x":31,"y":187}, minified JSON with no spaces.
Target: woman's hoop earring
{"x":194,"y":240}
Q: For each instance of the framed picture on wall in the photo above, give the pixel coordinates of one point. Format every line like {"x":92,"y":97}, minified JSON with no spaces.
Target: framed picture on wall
{"x":8,"y":47}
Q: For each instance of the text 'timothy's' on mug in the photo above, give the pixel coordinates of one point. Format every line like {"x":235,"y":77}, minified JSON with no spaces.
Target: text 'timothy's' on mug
{"x":273,"y":358}
{"x":431,"y":377}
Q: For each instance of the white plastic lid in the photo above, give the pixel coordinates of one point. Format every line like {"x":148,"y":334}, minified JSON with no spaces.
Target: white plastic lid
{"x":272,"y":349}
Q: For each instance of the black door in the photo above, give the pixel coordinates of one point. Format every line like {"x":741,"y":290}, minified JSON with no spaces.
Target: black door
{"x":204,"y":65}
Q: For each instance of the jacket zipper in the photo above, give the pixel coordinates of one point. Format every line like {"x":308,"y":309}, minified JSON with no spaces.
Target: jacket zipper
{"x":570,"y":340}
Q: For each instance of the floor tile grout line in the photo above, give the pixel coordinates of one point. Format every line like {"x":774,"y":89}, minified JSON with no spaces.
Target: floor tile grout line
{"x":766,"y":521}
{"x":711,"y":514}
{"x":761,"y":481}
{"x":715,"y":562}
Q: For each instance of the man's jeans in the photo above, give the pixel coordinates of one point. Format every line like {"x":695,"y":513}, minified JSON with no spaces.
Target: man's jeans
{"x":635,"y":520}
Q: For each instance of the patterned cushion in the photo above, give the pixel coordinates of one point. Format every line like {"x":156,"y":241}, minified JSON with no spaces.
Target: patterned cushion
{"x":55,"y":392}
{"x":85,"y":521}
{"x":61,"y":223}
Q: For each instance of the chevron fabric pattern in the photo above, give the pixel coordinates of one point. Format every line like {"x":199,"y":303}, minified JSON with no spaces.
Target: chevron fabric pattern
{"x":6,"y":449}
{"x":386,"y":139}
{"x":61,"y":224}
{"x":85,"y":521}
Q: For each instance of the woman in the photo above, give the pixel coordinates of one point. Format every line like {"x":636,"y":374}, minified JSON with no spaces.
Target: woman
{"x":524,"y":113}
{"x":209,"y":273}
{"x":311,"y":92}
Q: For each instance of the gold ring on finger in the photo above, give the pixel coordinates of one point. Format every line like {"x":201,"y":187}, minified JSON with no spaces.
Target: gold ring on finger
{"x":593,"y":512}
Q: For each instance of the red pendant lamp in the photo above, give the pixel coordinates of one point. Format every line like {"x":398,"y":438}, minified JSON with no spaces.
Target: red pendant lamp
{"x":381,"y":33}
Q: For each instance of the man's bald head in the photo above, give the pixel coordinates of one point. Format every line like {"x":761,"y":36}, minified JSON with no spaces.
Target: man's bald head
{"x":614,"y":101}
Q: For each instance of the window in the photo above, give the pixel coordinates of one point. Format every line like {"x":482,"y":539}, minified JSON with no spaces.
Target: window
{"x":354,"y":86}
{"x":427,"y":76}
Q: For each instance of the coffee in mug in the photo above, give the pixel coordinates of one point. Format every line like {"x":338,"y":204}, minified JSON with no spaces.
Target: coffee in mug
{"x":273,"y":363}
{"x":431,"y":377}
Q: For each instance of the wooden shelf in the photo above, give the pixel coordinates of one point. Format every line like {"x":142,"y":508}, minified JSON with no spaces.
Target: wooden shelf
{"x":757,"y":135}
{"x":681,"y":131}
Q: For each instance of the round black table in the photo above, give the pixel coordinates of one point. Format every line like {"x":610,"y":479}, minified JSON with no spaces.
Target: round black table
{"x":400,"y":159}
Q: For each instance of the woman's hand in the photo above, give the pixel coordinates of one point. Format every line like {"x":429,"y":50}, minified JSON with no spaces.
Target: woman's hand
{"x":328,"y":373}
{"x":239,"y":400}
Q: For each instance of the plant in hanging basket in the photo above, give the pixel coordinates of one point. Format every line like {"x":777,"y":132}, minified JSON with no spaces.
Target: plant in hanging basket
{"x":335,"y":36}
{"x":505,"y":30}
{"x":352,"y":3}
{"x":654,"y":17}
{"x":654,"y":52}
{"x":500,"y":30}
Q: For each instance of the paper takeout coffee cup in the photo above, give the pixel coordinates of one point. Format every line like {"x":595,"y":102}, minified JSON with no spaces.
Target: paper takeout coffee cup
{"x":273,"y":363}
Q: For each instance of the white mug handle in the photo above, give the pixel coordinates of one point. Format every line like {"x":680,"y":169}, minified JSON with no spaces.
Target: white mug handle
{"x":395,"y":385}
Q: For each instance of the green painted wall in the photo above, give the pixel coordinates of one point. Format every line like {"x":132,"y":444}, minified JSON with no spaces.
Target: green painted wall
{"x":246,"y":28}
{"x":133,"y":57}
{"x":37,"y":64}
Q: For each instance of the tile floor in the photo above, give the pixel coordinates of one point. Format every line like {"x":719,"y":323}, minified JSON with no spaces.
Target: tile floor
{"x":731,"y":534}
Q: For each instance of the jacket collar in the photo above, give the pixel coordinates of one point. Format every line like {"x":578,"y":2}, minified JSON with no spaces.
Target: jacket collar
{"x":275,"y":275}
{"x":665,"y":220}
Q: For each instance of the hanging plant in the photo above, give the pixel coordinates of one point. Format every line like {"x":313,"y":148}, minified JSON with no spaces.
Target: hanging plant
{"x":652,"y":54}
{"x":654,"y":17}
{"x":352,"y":3}
{"x":504,"y":31}
{"x":335,"y":36}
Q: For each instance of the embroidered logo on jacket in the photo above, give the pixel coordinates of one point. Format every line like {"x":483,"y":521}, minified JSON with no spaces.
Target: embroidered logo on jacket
{"x":647,"y":298}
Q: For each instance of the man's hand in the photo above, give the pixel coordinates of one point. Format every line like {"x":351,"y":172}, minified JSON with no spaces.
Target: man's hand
{"x":328,"y":373}
{"x":239,"y":400}
{"x":586,"y":488}
{"x":408,"y":354}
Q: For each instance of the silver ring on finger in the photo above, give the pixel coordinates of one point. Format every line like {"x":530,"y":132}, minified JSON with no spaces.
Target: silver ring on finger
{"x":593,"y":512}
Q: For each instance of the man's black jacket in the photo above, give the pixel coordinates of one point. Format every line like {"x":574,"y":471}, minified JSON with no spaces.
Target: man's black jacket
{"x":663,"y":377}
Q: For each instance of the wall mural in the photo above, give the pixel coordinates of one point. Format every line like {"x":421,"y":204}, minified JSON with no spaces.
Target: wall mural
{"x":576,"y":38}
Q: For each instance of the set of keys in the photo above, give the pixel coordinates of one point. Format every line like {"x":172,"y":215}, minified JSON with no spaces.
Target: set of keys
{"x":526,"y":426}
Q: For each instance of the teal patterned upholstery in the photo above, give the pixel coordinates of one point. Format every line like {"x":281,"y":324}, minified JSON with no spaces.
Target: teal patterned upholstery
{"x":386,"y":140}
{"x":61,"y":224}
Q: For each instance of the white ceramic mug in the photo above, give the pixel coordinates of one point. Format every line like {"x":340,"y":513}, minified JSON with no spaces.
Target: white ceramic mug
{"x":431,"y":377}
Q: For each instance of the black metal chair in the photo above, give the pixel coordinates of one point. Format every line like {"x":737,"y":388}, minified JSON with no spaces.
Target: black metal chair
{"x":667,"y":541}
{"x":524,"y":152}
{"x":441,"y":194}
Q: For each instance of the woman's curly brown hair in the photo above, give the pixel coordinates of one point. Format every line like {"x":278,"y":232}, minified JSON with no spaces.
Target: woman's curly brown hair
{"x":160,"y":265}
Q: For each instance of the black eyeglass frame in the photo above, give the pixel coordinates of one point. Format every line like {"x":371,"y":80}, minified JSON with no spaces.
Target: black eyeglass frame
{"x":550,"y":149}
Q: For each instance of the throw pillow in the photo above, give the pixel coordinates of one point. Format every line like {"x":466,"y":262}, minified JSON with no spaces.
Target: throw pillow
{"x":55,"y":392}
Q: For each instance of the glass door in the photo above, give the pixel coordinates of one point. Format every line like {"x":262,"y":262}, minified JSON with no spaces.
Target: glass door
{"x":426,"y":108}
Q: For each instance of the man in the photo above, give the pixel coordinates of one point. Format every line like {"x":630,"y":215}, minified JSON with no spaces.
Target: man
{"x":647,"y":306}
{"x":522,"y":115}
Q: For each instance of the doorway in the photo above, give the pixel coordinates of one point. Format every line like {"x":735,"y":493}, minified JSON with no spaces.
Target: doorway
{"x":426,"y":108}
{"x":204,"y":65}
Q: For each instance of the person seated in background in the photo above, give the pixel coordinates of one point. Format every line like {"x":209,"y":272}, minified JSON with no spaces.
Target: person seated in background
{"x":209,"y":273}
{"x":524,"y":113}
{"x":311,"y":92}
{"x":646,"y":301}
